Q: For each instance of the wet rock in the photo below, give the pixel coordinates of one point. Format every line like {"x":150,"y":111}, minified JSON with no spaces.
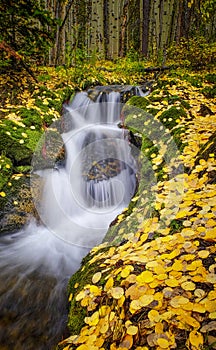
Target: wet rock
{"x":17,"y":207}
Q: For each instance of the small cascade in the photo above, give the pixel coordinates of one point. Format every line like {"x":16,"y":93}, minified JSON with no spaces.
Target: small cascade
{"x":98,"y":179}
{"x":81,"y":197}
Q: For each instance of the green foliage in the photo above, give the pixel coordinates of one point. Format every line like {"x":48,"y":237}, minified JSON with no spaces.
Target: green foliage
{"x":27,"y":28}
{"x":209,"y":91}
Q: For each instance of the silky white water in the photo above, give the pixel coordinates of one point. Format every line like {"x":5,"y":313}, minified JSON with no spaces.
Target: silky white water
{"x":80,"y":199}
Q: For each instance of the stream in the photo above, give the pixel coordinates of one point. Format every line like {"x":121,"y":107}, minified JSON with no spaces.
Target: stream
{"x":81,"y":196}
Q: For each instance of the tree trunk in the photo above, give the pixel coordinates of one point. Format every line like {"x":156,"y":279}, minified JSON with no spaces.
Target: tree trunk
{"x":145,"y":26}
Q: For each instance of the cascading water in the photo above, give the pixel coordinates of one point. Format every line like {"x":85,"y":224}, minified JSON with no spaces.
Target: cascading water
{"x":81,"y":197}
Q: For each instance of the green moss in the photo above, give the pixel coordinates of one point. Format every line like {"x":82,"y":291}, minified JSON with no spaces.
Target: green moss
{"x":6,"y":169}
{"x":210,"y":78}
{"x":17,"y":142}
{"x":170,"y":117}
{"x":209,"y":92}
{"x":137,"y":101}
{"x":31,"y":117}
{"x":83,"y":277}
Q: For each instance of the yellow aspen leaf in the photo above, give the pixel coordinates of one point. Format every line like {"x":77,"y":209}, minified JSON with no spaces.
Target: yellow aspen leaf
{"x":81,"y":295}
{"x":154,"y":316}
{"x":159,"y":328}
{"x":194,"y":265}
{"x":178,"y":301}
{"x":212,"y":315}
{"x":211,"y":278}
{"x":145,"y":277}
{"x":159,"y":269}
{"x":135,"y":292}
{"x":95,"y":290}
{"x":132,"y":330}
{"x":109,"y":284}
{"x":210,"y":223}
{"x":126,"y":271}
{"x":210,"y":235}
{"x":2,"y":194}
{"x":212,"y":295}
{"x":104,"y":327}
{"x":163,"y":343}
{"x":70,"y":297}
{"x":117,"y":292}
{"x":199,"y":293}
{"x":85,"y":301}
{"x":197,"y":307}
{"x":177,"y":266}
{"x":146,"y":300}
{"x":76,"y":285}
{"x":196,"y":339}
{"x":171,"y":282}
{"x":93,"y":319}
{"x":96,"y":277}
{"x":121,"y":301}
{"x":188,"y":285}
{"x":188,"y":306}
{"x":190,"y":321}
{"x":203,"y":254}
{"x":104,"y":310}
{"x":210,"y":305}
{"x":134,"y":306}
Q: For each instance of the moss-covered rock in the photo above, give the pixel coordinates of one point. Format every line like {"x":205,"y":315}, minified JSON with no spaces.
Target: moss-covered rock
{"x":16,"y":206}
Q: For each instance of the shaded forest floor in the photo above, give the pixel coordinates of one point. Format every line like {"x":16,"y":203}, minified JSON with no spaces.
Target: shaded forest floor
{"x":153,"y":284}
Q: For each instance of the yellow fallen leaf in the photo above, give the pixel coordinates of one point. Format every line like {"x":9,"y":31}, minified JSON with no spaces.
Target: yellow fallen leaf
{"x":203,"y":254}
{"x":146,"y":300}
{"x":210,"y":306}
{"x":126,"y":271}
{"x":109,"y":284}
{"x":196,"y":339}
{"x":134,"y":306}
{"x":117,"y":292}
{"x":96,"y":277}
{"x":132,"y":330}
{"x":145,"y":277}
{"x":188,"y":285}
{"x":163,"y":343}
{"x":93,"y":319}
{"x":154,"y":316}
{"x":178,"y":301}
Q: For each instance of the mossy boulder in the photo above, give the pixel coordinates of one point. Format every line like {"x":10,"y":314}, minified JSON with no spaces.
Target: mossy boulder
{"x":16,"y":205}
{"x":18,"y":142}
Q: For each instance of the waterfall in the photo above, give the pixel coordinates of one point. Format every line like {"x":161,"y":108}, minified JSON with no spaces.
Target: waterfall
{"x":98,"y":179}
{"x":81,"y":197}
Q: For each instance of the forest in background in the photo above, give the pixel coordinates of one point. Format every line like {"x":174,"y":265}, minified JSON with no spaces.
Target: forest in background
{"x":59,"y":32}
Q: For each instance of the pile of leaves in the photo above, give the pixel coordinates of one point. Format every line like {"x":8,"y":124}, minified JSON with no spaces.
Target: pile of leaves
{"x":154,"y":285}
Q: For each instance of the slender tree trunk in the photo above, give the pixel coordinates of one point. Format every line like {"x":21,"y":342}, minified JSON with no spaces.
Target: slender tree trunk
{"x":124,"y":21}
{"x":145,"y":27}
{"x":60,"y":44}
{"x":106,"y":27}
